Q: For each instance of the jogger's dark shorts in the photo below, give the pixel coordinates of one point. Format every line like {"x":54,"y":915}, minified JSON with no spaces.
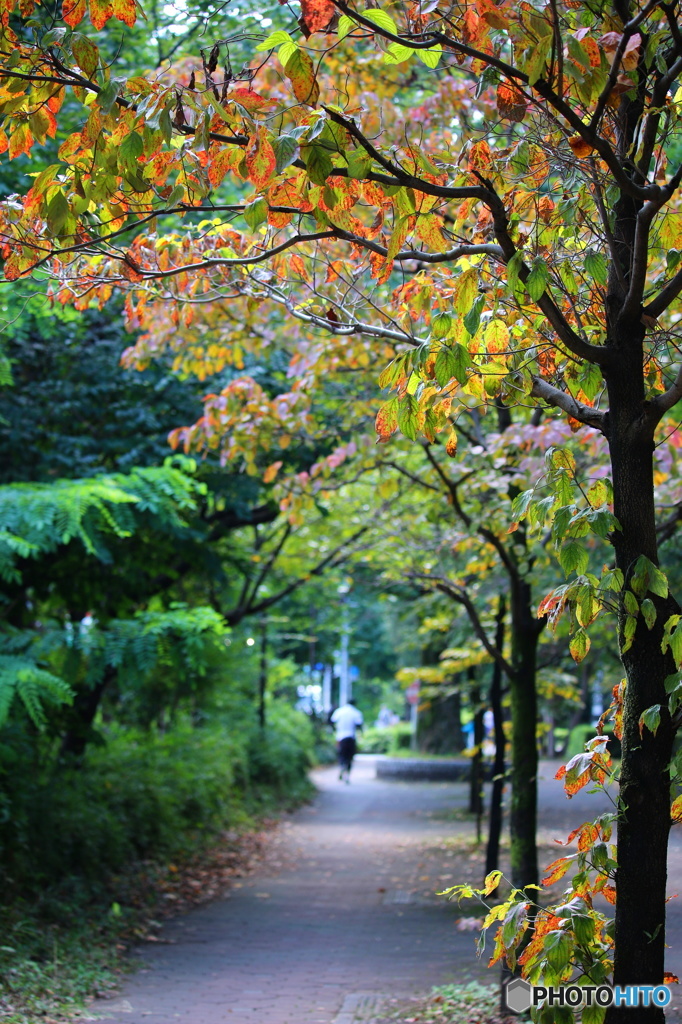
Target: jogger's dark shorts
{"x":346,"y":749}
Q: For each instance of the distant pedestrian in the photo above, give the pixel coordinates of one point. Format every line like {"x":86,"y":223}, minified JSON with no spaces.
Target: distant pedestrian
{"x":347,"y":720}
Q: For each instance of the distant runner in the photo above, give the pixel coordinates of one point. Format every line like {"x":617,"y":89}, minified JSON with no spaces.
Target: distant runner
{"x":347,"y":720}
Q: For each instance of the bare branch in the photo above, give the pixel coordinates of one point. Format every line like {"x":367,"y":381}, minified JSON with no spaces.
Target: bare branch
{"x":563,"y":400}
{"x":460,"y":595}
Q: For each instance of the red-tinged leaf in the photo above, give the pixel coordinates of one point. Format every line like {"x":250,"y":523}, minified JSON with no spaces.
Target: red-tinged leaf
{"x":125,"y":11}
{"x":271,"y":472}
{"x":301,"y":73}
{"x":73,"y":12}
{"x":556,"y":870}
{"x":561,"y":772}
{"x":670,"y":979}
{"x":20,"y":141}
{"x":100,"y":12}
{"x":317,"y":14}
{"x":387,"y":419}
{"x":4,"y":141}
{"x":511,"y":103}
{"x":260,"y":159}
{"x":588,"y":836}
{"x":221,"y":163}
{"x":578,"y":773}
{"x":250,"y":100}
{"x":479,"y":157}
{"x":676,"y":809}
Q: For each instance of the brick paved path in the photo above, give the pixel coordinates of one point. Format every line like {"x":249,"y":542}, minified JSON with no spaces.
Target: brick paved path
{"x":342,"y":916}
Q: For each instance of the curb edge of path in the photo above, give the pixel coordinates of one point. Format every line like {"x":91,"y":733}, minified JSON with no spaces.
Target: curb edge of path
{"x":359,"y":1008}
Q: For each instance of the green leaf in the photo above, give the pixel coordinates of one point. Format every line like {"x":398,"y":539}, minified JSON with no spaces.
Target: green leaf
{"x":647,"y":577}
{"x":441,"y":325}
{"x":108,"y":96}
{"x":631,"y":603}
{"x":650,"y":719}
{"x":381,"y":19}
{"x":274,"y":39}
{"x":286,"y":151}
{"x":345,"y":26}
{"x":472,"y":319}
{"x":318,"y":164}
{"x":432,"y":56}
{"x":359,"y":164}
{"x":397,"y":54}
{"x":57,"y":212}
{"x":408,"y":417}
{"x":597,"y":267}
{"x":579,"y":645}
{"x":649,"y":612}
{"x":536,"y":281}
{"x":256,"y":213}
{"x":573,"y":557}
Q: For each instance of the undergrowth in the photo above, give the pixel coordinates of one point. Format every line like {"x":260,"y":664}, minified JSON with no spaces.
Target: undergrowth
{"x":92,"y":855}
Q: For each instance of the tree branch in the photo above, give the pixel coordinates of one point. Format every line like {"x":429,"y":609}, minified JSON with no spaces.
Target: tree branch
{"x":563,"y":400}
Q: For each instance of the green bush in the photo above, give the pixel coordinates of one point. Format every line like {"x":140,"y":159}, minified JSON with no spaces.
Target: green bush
{"x":144,"y":797}
{"x":390,"y":740}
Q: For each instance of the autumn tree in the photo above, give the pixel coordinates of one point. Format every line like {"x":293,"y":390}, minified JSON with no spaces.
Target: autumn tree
{"x":520,"y":246}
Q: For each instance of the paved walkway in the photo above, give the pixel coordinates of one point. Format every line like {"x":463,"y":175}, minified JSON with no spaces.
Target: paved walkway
{"x":343,"y":917}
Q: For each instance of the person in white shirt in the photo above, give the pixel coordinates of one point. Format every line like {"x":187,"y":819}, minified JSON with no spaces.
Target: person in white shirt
{"x":346,"y":719}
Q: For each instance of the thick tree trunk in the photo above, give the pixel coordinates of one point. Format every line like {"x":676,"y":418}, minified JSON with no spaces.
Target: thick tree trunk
{"x":644,"y":819}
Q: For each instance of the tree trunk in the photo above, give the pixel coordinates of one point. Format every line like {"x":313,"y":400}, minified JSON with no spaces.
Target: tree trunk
{"x":476,"y":776}
{"x":82,"y":714}
{"x":524,"y":757}
{"x":644,"y":819}
{"x":492,"y":854}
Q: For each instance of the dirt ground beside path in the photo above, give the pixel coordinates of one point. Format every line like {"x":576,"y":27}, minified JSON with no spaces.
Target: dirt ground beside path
{"x":340,"y":918}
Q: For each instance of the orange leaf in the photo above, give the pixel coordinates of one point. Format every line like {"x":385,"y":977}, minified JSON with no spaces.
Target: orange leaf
{"x":100,"y":12}
{"x":124,"y":10}
{"x":511,"y":103}
{"x":479,"y":156}
{"x":556,"y":870}
{"x":451,"y":444}
{"x":20,"y":141}
{"x":676,"y":809}
{"x":260,"y":158}
{"x":73,"y":12}
{"x":670,"y":979}
{"x":609,"y":894}
{"x":317,"y":14}
{"x":271,"y":472}
{"x":580,"y":148}
{"x":387,"y":419}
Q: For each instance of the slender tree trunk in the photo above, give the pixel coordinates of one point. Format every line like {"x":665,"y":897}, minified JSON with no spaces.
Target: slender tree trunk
{"x":82,"y":715}
{"x":644,"y":820}
{"x":524,"y":758}
{"x":475,"y":778}
{"x":492,"y":854}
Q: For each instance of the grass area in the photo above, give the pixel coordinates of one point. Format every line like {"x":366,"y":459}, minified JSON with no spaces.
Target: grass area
{"x":470,"y":1003}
